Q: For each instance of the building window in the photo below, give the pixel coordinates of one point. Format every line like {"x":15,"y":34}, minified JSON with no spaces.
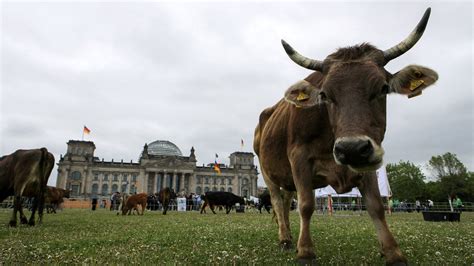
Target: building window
{"x":229,"y":190}
{"x":214,"y":181}
{"x":245,"y":181}
{"x":198,"y":180}
{"x":222,"y":189}
{"x":76,"y":175}
{"x":75,"y":189}
{"x":222,"y":181}
{"x":133,"y":189}
{"x":206,"y":189}
{"x":229,"y":181}
{"x":96,"y":177}
{"x":106,"y":177}
{"x":124,"y":188}
{"x":198,"y":190}
{"x":105,"y":189}
{"x":207,"y":180}
{"x":114,"y":188}
{"x":95,"y":189}
{"x":115,"y":177}
{"x":124,"y":177}
{"x":134,"y":178}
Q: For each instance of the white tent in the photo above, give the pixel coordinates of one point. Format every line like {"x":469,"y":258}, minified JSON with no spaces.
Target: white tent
{"x":382,"y":179}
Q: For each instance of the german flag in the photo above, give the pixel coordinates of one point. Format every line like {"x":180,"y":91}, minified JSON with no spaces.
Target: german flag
{"x":86,"y":130}
{"x":217,"y":168}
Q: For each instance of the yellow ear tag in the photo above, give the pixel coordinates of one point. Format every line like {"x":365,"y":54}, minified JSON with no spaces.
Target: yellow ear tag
{"x":414,"y":84}
{"x":302,"y":96}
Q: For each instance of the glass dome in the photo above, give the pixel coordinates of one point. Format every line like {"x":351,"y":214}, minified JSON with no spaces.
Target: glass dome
{"x":163,"y":147}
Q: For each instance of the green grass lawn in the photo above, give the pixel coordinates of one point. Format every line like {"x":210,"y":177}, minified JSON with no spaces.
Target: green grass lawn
{"x":83,"y":236}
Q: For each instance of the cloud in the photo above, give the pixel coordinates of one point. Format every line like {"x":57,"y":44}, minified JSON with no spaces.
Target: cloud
{"x":199,"y":74}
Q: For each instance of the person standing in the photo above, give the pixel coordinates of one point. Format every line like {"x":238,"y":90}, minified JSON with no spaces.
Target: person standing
{"x":458,"y":204}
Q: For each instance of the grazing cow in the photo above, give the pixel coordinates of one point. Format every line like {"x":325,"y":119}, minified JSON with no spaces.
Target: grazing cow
{"x":54,"y":197}
{"x":226,"y":199}
{"x":165,"y":196}
{"x":131,"y":203}
{"x":264,"y":201}
{"x":25,"y":172}
{"x":328,"y":129}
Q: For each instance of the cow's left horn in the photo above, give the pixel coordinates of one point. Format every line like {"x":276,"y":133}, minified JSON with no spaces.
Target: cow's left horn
{"x":410,"y":41}
{"x":302,"y":60}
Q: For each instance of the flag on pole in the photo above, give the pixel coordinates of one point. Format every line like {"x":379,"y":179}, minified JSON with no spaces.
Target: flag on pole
{"x":216,"y":167}
{"x":85,"y":131}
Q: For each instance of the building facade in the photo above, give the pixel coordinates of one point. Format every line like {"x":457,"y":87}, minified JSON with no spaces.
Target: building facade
{"x":161,"y":164}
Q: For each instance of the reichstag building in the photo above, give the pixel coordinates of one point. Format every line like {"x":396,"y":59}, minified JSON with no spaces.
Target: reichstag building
{"x":161,"y":164}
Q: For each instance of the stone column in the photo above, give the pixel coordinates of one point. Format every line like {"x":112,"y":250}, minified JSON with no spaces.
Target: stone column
{"x":155,"y":183}
{"x":145,"y":183}
{"x":158,"y":181}
{"x":173,"y":181}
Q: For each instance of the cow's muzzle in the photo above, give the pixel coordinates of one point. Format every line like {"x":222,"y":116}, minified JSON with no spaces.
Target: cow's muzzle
{"x":360,"y":153}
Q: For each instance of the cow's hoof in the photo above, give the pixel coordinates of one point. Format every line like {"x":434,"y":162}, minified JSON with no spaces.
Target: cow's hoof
{"x":286,"y":245}
{"x":308,"y":261}
{"x":23,"y":220}
{"x":12,"y":223}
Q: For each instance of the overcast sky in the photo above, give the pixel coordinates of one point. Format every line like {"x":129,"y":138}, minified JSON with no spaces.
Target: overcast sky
{"x":199,"y":74}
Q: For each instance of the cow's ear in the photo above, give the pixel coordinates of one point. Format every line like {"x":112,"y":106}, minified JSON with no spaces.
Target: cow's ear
{"x":302,"y":94}
{"x":412,"y":80}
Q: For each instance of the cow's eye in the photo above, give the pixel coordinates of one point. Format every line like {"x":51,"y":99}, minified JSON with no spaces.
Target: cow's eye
{"x":385,"y":89}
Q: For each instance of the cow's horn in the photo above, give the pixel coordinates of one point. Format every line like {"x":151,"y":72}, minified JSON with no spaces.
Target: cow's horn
{"x":302,"y":60}
{"x":410,"y":41}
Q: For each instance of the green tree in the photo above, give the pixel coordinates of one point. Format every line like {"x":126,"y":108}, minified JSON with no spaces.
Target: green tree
{"x":452,"y":177}
{"x":406,"y":181}
{"x":446,"y":165}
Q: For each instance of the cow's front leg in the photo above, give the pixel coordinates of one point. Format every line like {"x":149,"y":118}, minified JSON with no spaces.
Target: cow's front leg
{"x":284,"y":234}
{"x":370,"y":191}
{"x":302,"y":177}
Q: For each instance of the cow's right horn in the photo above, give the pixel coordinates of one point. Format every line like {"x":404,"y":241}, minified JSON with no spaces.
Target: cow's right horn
{"x":410,"y":41}
{"x":302,"y":60}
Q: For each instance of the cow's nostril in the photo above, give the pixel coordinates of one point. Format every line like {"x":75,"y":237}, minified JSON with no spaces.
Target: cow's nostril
{"x":339,"y":153}
{"x":366,"y":149}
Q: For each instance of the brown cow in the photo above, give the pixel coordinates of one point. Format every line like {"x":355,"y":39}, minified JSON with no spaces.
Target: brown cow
{"x":54,"y":197}
{"x":131,"y":203}
{"x":165,"y":196}
{"x":329,"y":129}
{"x":25,"y":172}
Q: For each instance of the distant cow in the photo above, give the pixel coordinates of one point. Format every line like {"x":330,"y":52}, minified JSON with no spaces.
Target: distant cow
{"x":25,"y":172}
{"x":165,"y":196}
{"x":54,"y":197}
{"x":264,"y":201}
{"x":225,"y":199}
{"x":131,"y":203}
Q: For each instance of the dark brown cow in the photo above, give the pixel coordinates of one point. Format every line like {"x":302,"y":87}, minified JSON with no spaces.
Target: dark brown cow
{"x":131,"y":203}
{"x":54,"y":197}
{"x":329,"y":129}
{"x":221,"y":198}
{"x":165,"y":196}
{"x":25,"y":172}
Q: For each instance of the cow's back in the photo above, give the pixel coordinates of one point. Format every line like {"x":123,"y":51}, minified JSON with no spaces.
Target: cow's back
{"x":25,"y":170}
